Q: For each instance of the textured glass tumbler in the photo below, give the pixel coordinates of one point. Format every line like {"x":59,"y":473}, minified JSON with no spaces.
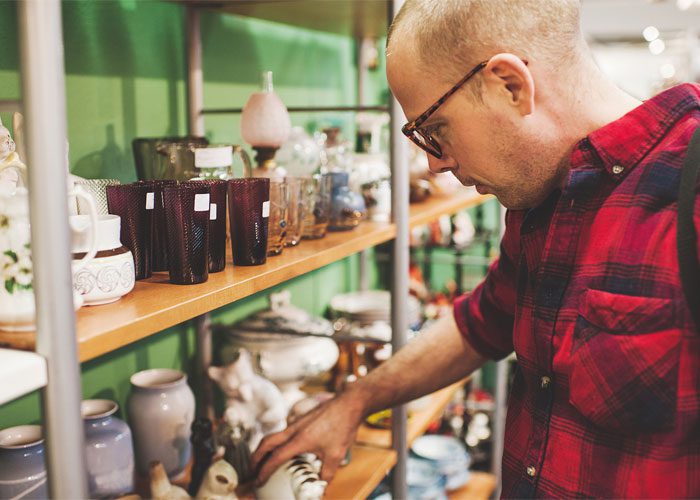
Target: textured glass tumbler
{"x":217,"y":224}
{"x":277,"y":225}
{"x":295,"y":213}
{"x":317,"y":207}
{"x":134,"y":203}
{"x":97,"y":188}
{"x":249,"y":213}
{"x":159,"y":254}
{"x":187,"y":222}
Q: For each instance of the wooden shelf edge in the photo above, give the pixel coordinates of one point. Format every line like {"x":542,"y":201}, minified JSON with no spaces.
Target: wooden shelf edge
{"x":357,"y":480}
{"x":155,"y":305}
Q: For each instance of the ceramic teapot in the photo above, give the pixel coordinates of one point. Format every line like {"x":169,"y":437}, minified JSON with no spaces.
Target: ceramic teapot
{"x":17,"y":309}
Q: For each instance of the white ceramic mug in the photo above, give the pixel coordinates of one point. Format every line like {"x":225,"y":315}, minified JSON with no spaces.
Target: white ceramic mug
{"x":110,"y":275}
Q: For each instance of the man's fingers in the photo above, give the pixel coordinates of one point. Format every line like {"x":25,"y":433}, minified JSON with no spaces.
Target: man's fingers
{"x":330,"y":465}
{"x":277,"y":458}
{"x":269,"y":443}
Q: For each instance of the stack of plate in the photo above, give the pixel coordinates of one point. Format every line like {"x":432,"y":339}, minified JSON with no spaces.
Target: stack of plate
{"x":446,"y":456}
{"x":370,"y":306}
{"x":424,"y":481}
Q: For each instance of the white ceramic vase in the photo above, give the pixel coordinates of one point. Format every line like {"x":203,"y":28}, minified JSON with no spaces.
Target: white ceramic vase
{"x":161,"y":411}
{"x":110,"y":275}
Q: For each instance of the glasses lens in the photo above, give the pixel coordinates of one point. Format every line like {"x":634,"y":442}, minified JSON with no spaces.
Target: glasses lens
{"x":426,"y":143}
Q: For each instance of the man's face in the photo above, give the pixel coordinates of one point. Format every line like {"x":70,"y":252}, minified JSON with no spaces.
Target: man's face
{"x":497,"y":145}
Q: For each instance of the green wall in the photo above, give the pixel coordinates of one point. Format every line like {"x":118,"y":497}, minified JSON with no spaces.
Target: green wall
{"x":125,"y":78}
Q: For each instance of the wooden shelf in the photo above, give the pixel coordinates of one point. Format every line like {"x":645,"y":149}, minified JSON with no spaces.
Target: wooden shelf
{"x":155,"y":304}
{"x":360,"y":18}
{"x":481,"y":486}
{"x":418,"y":422}
{"x":362,"y":475}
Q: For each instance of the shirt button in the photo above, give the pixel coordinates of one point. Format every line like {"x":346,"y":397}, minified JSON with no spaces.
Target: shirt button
{"x":545,"y":381}
{"x":618,"y":169}
{"x":531,"y":471}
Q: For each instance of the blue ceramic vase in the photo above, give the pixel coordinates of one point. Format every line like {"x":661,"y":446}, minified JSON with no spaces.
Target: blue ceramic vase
{"x":22,"y":469}
{"x":347,"y":207}
{"x":109,"y":451}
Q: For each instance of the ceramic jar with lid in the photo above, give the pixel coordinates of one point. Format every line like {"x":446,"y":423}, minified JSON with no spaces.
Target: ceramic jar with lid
{"x":109,"y":451}
{"x":22,"y":469}
{"x":282,"y":354}
{"x":110,"y":275}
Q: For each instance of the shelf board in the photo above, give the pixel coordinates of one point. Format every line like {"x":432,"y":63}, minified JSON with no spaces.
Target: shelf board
{"x":155,"y":304}
{"x":20,"y":373}
{"x":418,"y":422}
{"x":360,"y":18}
{"x":481,"y":486}
{"x":357,"y":480}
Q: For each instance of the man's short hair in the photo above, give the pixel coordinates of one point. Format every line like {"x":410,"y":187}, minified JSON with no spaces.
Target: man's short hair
{"x":451,"y":36}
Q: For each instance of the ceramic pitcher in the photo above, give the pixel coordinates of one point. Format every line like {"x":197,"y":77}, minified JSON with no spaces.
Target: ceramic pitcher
{"x":16,"y":272}
{"x":22,"y":469}
{"x":109,"y":451}
{"x":161,"y":412}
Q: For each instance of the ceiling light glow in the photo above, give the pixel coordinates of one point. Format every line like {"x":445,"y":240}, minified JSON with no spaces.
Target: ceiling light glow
{"x":650,"y":33}
{"x":657,"y":46}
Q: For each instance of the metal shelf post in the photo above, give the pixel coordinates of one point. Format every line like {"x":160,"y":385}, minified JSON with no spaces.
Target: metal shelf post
{"x":44,"y":97}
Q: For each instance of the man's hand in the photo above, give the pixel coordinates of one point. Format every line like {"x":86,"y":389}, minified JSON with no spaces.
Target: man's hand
{"x":327,"y":431}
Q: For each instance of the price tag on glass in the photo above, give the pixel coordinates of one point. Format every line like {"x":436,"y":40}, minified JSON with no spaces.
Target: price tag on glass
{"x":201,"y":202}
{"x":266,"y":209}
{"x":150,"y":201}
{"x":212,"y":211}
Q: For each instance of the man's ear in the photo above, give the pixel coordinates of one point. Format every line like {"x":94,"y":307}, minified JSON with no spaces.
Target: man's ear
{"x":507,"y":76}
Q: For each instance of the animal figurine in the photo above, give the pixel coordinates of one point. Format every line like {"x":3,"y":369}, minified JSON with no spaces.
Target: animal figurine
{"x":234,"y":442}
{"x":203,"y":450}
{"x":297,"y":479}
{"x":219,"y":482}
{"x":161,"y":489}
{"x":12,"y":171}
{"x":252,"y":402}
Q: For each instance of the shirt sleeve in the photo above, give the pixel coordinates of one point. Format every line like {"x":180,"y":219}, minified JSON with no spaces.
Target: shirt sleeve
{"x":485,"y":316}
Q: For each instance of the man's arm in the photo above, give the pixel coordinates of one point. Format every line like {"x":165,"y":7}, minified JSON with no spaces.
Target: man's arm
{"x":437,"y":358}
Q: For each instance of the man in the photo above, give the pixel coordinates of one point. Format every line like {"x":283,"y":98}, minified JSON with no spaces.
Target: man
{"x":606,"y":398}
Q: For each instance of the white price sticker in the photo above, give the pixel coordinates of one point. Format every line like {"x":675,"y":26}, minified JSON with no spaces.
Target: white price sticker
{"x":150,"y":201}
{"x":201,"y":202}
{"x":213,"y":157}
{"x":266,"y":209}
{"x":212,"y":211}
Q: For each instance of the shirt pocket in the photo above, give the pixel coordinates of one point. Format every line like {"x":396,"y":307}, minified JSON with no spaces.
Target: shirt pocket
{"x":624,"y":362}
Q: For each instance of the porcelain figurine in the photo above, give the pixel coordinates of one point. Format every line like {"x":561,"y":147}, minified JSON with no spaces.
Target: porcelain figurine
{"x":161,"y":489}
{"x":203,"y":450}
{"x":234,"y":442}
{"x":252,"y":401}
{"x":298,"y":479}
{"x":347,"y":207}
{"x":219,"y":482}
{"x":13,"y":172}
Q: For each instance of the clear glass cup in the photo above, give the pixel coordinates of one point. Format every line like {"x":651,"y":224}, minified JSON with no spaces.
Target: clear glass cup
{"x":317,"y":207}
{"x":295,"y":209}
{"x":277,"y":229}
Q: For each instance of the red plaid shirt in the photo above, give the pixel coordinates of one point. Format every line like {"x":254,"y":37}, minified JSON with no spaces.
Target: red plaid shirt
{"x":606,"y":397}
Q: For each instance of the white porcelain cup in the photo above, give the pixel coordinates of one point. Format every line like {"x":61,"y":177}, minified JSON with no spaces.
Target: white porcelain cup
{"x":110,"y":275}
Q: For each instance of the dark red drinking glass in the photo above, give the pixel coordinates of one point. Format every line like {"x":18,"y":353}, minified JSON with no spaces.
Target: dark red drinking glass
{"x":217,"y":224}
{"x":160,"y":238}
{"x":249,"y":214}
{"x":134,"y":203}
{"x":187,"y":223}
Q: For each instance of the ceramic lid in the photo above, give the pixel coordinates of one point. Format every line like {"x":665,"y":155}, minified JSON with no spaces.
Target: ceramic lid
{"x":284,"y":317}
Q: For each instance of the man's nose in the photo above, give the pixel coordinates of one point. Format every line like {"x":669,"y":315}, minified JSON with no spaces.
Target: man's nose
{"x":441,"y":165}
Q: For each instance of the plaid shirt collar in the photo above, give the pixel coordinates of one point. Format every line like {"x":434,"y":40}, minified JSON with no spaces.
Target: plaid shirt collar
{"x":642,"y":128}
